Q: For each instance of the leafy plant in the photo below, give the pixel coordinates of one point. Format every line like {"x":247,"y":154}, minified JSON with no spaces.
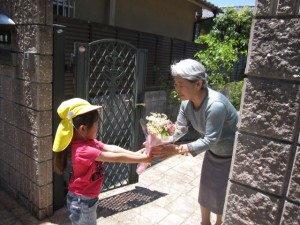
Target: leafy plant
{"x":234,"y":25}
{"x":235,"y":93}
{"x":227,"y":40}
{"x":167,"y":86}
{"x":218,"y":59}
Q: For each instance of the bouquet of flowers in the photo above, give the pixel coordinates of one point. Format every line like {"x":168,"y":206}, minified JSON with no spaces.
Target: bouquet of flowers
{"x":159,"y":130}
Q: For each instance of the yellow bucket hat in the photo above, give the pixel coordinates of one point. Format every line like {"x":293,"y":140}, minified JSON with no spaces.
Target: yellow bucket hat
{"x":67,"y":111}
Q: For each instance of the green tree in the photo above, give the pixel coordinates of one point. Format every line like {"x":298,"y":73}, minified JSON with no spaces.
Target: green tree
{"x":227,"y":40}
{"x":218,"y":59}
{"x":234,"y":26}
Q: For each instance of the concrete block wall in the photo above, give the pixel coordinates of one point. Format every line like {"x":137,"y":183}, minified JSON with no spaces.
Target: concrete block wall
{"x":26,"y":106}
{"x":264,"y":183}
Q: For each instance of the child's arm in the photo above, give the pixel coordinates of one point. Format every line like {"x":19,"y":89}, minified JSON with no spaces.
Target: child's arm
{"x":118,"y":149}
{"x":113,"y":153}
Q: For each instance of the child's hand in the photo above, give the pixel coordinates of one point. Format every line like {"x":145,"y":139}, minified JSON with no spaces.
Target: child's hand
{"x":148,"y":158}
{"x":141,"y":151}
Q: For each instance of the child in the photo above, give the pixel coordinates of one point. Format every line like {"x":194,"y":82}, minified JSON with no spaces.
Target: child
{"x":78,"y":129}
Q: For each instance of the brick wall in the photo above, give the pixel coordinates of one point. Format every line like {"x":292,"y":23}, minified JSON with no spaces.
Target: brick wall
{"x":26,"y":106}
{"x":264,"y":186}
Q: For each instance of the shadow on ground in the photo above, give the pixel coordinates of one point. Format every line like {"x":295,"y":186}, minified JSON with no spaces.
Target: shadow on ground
{"x":126,"y":201}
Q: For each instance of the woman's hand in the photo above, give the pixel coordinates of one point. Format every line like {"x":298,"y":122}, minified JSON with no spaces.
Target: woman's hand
{"x":164,"y":151}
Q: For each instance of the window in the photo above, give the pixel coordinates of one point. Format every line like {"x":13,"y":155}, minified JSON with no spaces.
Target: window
{"x":64,"y":8}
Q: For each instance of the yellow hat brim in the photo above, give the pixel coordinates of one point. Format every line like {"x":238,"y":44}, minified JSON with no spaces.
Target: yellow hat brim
{"x":86,"y":109}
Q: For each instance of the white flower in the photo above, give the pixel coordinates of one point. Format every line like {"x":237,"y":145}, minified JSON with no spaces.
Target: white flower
{"x":159,"y":124}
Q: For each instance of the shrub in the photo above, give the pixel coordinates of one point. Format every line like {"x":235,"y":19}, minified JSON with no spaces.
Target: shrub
{"x":227,"y":40}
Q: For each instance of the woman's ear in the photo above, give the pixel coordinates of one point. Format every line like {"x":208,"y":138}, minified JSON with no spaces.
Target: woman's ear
{"x":199,"y":84}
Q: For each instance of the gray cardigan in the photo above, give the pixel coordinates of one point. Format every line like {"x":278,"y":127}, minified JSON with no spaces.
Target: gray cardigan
{"x":215,"y":120}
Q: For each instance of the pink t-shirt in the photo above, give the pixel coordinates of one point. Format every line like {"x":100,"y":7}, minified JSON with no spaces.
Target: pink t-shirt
{"x":87,"y":175}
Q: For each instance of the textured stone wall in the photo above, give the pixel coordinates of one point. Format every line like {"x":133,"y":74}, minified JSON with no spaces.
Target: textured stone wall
{"x":26,"y":106}
{"x":264,"y":185}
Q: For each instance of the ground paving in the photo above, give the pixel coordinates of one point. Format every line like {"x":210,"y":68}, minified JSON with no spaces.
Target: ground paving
{"x":166,"y":194}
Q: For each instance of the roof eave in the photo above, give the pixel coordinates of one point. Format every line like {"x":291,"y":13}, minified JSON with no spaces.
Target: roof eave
{"x":206,"y":5}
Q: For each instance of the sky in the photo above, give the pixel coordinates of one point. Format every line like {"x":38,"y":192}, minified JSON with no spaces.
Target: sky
{"x":221,"y":3}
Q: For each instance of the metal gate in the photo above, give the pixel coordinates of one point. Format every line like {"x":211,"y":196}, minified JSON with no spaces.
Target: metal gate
{"x":111,"y":73}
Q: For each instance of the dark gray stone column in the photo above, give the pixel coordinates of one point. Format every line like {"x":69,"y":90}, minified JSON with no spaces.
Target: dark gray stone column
{"x":264,"y":185}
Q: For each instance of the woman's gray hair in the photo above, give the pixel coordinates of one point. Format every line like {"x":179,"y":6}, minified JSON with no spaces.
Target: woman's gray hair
{"x":191,"y":70}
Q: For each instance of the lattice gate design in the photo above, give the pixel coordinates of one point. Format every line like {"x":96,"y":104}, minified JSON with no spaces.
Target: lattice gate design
{"x":111,"y":73}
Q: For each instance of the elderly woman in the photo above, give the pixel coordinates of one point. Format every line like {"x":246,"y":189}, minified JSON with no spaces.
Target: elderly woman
{"x":213,"y":116}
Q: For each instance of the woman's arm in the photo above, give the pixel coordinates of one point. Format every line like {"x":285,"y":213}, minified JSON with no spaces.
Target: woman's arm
{"x":214,"y":122}
{"x":214,"y":125}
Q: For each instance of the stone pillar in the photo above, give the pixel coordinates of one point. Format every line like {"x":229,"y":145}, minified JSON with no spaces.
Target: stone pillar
{"x":264,"y":185}
{"x":26,"y":106}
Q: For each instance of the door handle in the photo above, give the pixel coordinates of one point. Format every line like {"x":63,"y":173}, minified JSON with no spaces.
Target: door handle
{"x":140,"y":104}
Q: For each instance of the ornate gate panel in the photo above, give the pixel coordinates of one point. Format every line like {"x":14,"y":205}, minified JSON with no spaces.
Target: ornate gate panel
{"x":111,"y":73}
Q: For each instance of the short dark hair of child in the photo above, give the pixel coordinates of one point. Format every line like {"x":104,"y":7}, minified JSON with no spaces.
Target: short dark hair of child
{"x":87,"y":119}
